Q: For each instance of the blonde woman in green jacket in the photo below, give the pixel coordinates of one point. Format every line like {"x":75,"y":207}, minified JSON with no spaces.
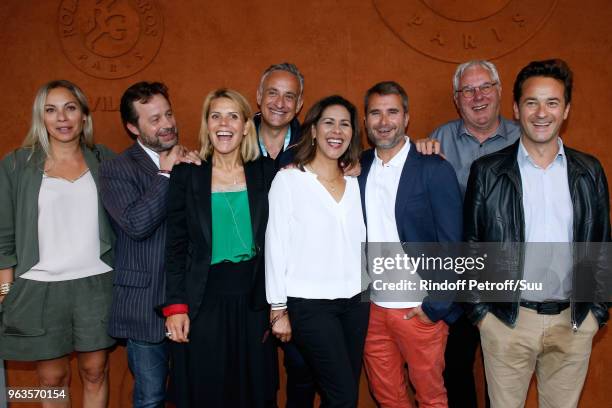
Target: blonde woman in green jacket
{"x":55,"y":247}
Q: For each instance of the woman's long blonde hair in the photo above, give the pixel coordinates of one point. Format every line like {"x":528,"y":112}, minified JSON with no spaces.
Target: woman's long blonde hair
{"x":249,"y":150}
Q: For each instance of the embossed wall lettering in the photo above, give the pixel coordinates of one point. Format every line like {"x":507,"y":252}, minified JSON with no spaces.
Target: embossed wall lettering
{"x":110,"y":38}
{"x":105,"y":104}
{"x":459,"y":30}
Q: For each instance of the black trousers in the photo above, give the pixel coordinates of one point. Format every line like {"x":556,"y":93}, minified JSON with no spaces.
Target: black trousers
{"x":461,"y":346}
{"x":331,"y":335}
{"x":301,"y":388}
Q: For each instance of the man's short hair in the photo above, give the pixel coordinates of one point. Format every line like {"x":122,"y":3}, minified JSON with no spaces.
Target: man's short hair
{"x":139,"y":92}
{"x":386,"y":88}
{"x":552,"y":68}
{"x":287,"y":67}
{"x":489,"y":66}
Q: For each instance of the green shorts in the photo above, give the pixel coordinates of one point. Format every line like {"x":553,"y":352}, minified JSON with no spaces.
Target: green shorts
{"x":46,"y":320}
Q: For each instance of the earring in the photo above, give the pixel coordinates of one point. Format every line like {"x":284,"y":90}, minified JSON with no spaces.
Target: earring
{"x":313,"y":141}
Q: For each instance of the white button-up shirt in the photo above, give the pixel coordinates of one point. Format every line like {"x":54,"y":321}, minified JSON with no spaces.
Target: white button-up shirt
{"x":153,"y":155}
{"x":313,"y":243}
{"x":381,"y":192}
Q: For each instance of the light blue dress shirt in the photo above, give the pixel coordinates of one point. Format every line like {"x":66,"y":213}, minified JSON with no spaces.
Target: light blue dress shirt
{"x":548,"y":210}
{"x":461,"y":149}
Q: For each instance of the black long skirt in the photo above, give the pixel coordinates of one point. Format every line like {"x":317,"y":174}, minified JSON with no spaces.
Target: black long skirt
{"x":226,"y":362}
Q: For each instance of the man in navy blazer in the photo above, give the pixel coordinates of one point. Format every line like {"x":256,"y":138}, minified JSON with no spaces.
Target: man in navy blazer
{"x":406,"y":197}
{"x":134,"y":189}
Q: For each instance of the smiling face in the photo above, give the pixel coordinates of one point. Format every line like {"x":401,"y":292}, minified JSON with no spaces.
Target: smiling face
{"x":386,"y":121}
{"x":63,"y":116}
{"x":279,"y":99}
{"x":226,"y":125}
{"x":333,"y":132}
{"x":156,"y":124}
{"x":480,"y":112}
{"x":541,"y":110}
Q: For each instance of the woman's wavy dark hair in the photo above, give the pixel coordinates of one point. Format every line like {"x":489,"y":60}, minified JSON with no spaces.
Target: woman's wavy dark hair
{"x":306,"y":150}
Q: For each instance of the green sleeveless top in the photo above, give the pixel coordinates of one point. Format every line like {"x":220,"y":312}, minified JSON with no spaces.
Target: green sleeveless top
{"x":232,"y":234}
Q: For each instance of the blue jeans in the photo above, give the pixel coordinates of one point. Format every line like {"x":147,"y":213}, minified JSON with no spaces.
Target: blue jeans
{"x":149,"y":365}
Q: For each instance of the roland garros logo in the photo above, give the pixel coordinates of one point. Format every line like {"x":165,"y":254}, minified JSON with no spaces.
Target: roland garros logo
{"x":110,"y":38}
{"x":460,"y":30}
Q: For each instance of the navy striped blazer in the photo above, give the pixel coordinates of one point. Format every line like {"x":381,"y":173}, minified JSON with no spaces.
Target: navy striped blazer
{"x":135,"y":196}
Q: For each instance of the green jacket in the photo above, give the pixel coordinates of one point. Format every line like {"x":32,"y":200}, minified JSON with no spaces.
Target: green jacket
{"x":20,"y":181}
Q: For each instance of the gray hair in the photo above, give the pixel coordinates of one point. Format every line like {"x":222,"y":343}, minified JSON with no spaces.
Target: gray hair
{"x":287,"y":67}
{"x":489,"y":66}
{"x":37,"y":136}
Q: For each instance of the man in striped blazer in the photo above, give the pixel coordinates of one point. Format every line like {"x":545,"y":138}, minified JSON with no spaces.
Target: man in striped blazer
{"x":133,"y":187}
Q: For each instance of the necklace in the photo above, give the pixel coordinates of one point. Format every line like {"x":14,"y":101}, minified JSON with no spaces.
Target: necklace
{"x":224,"y":180}
{"x":227,"y":176}
{"x":328,"y":182}
{"x":223,"y":194}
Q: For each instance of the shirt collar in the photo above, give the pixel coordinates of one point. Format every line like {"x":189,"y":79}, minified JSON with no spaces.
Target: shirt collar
{"x":524,"y":158}
{"x":500,"y":131}
{"x":151,"y":153}
{"x":262,"y":146}
{"x":400,"y":157}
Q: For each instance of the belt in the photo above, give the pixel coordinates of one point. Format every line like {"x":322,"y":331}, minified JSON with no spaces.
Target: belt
{"x":546,"y":308}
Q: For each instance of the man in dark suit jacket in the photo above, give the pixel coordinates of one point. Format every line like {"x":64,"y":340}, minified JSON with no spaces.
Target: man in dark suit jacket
{"x":406,"y":197}
{"x":134,"y":188}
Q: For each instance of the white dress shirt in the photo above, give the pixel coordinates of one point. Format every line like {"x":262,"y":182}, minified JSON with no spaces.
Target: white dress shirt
{"x":381,"y":192}
{"x":313,"y":243}
{"x":153,"y":155}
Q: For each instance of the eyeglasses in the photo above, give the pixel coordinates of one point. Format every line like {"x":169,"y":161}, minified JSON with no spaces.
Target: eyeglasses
{"x":468,"y":92}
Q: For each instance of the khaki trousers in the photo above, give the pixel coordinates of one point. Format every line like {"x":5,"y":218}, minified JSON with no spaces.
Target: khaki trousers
{"x":545,"y":344}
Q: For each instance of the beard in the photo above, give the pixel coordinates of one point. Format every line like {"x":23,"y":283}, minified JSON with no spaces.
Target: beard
{"x":388,"y":143}
{"x":155,"y":142}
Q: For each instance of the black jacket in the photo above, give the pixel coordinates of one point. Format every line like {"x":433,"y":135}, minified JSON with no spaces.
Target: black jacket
{"x":284,"y":157}
{"x":189,"y":236}
{"x":493,"y":212}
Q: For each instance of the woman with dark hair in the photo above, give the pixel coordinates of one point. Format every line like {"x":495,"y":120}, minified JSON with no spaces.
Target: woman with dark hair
{"x":313,"y":252}
{"x":55,"y":247}
{"x":216,"y":310}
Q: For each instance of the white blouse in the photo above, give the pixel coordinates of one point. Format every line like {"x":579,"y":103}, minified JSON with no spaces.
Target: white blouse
{"x":68,"y":230}
{"x":313,"y":243}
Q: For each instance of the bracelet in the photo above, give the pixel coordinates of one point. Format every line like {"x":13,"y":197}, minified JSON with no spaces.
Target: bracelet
{"x":5,"y":288}
{"x":278,"y":306}
{"x":277,"y":318}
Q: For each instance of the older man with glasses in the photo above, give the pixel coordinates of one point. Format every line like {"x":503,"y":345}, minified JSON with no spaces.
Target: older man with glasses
{"x":479,"y":131}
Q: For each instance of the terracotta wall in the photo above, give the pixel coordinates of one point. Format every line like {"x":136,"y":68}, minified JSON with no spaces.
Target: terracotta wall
{"x":342,"y":46}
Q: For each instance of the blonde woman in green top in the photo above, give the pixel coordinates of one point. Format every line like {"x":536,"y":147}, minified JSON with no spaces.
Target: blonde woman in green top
{"x":216,"y":307}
